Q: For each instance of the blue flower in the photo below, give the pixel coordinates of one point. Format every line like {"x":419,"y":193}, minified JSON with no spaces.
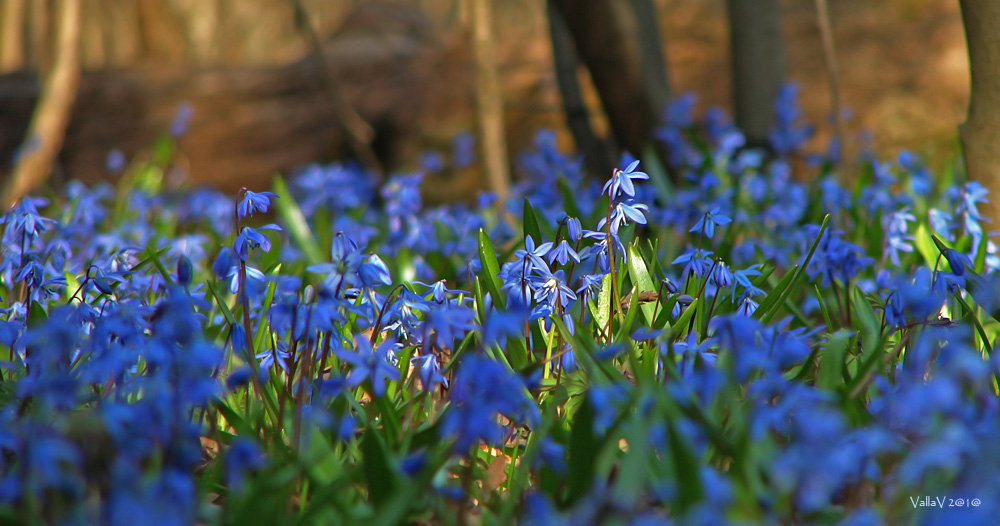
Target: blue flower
{"x":254,"y":202}
{"x":370,"y":363}
{"x":182,"y":118}
{"x":483,"y":389}
{"x":562,"y":253}
{"x":450,"y":322}
{"x":429,"y":371}
{"x":25,"y":218}
{"x":252,"y":238}
{"x":278,"y":355}
{"x":552,"y":289}
{"x":501,"y":324}
{"x":706,"y":223}
{"x":957,"y":261}
{"x":531,"y":257}
{"x":695,"y":261}
{"x":896,"y":234}
{"x":345,"y":262}
{"x":621,"y":181}
{"x":243,"y":455}
{"x":438,"y":290}
{"x":374,"y":272}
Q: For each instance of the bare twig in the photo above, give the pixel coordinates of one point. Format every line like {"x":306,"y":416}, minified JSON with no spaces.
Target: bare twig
{"x":48,"y":124}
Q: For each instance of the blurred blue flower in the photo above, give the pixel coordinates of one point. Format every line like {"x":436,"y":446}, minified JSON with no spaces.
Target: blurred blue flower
{"x":370,"y":363}
{"x":254,"y":202}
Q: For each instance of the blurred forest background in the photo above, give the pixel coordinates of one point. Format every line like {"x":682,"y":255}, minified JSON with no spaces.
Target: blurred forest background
{"x":406,"y":69}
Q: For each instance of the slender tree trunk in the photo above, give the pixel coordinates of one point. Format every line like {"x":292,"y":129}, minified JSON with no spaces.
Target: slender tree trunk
{"x":655,"y":76}
{"x":758,"y":65}
{"x":40,"y":35}
{"x":833,"y":79}
{"x":48,"y":125}
{"x":11,"y":35}
{"x":980,"y":133}
{"x":489,"y":100}
{"x":605,"y":35}
{"x":597,"y":157}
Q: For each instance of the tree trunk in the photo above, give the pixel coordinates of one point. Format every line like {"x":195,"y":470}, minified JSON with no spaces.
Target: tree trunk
{"x":48,"y":125}
{"x":605,"y":35}
{"x":489,"y":100}
{"x":758,"y":65}
{"x":655,"y":77}
{"x":11,"y":35}
{"x":597,"y":156}
{"x":980,"y":133}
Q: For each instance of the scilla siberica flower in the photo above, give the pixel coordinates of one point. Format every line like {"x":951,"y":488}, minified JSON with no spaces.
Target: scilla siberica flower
{"x":621,"y":181}
{"x":707,"y":223}
{"x":253,"y":238}
{"x":483,"y":389}
{"x":370,"y":363}
{"x":429,"y":371}
{"x":345,"y":261}
{"x":254,"y":202}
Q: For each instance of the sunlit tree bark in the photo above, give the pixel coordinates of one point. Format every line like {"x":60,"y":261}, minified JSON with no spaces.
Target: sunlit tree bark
{"x":52,"y":114}
{"x":980,"y":133}
{"x":489,"y":100}
{"x":11,"y":35}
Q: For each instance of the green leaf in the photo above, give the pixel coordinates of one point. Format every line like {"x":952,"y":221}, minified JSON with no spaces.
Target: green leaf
{"x":530,"y":223}
{"x":569,"y":200}
{"x":603,"y":313}
{"x":688,"y":475}
{"x":831,"y":367}
{"x":975,"y":322}
{"x":925,"y":244}
{"x":36,"y":314}
{"x":771,"y":299}
{"x":583,"y":450}
{"x":640,"y":276}
{"x":685,"y":318}
{"x":583,"y":348}
{"x":491,"y":269}
{"x":228,"y":314}
{"x":377,"y":469}
{"x":296,"y":224}
{"x":799,"y":274}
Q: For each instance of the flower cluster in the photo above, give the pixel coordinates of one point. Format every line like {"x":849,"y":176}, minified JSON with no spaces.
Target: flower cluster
{"x":753,"y":342}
